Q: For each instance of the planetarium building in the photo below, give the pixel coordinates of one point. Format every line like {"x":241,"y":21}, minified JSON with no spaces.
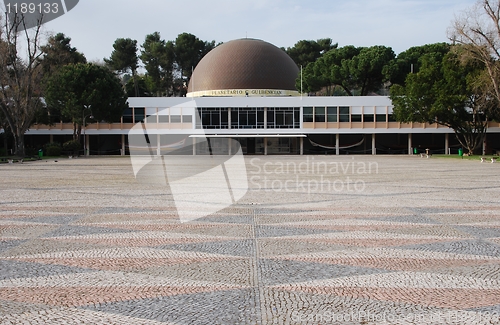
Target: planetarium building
{"x":243,"y":95}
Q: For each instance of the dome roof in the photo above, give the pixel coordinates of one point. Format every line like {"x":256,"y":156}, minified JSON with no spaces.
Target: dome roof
{"x":253,"y":67}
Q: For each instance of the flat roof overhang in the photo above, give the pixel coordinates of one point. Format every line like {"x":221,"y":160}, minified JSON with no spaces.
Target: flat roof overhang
{"x":248,"y":136}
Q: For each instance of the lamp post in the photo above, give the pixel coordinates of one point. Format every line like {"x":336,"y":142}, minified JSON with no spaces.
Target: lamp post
{"x":84,"y":117}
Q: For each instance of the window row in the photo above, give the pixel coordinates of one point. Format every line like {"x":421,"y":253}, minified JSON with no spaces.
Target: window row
{"x":341,"y":114}
{"x":248,"y":118}
{"x":326,"y":114}
{"x":372,"y":118}
{"x":137,"y":115}
{"x":134,"y":114}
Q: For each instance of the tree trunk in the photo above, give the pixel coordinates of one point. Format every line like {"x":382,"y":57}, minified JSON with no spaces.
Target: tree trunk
{"x":77,"y":131}
{"x":470,"y":141}
{"x":348,"y":91}
{"x":19,"y":144}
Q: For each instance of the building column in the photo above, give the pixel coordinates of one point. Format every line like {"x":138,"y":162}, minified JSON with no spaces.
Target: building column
{"x":265,"y":146}
{"x":374,"y":147}
{"x":51,"y":138}
{"x":87,"y":143}
{"x":228,"y":118}
{"x":410,"y":144}
{"x":229,"y":149}
{"x":301,"y":146}
{"x":337,"y":144}
{"x":194,"y":146}
{"x":484,"y":144}
{"x":446,"y":144}
{"x":158,"y":146}
{"x":265,"y":117}
{"x":123,"y":145}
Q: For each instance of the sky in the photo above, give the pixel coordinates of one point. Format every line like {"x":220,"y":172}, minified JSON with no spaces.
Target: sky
{"x":94,"y":25}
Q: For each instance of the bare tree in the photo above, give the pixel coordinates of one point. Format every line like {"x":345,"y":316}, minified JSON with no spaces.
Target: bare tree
{"x":20,"y":76}
{"x":478,"y":29}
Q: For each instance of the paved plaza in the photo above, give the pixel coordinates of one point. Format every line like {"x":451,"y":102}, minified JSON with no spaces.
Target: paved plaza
{"x":315,"y":240}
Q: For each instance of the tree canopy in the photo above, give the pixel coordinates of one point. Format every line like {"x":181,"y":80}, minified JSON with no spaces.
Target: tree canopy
{"x":168,"y":64}
{"x":20,"y":77}
{"x":478,"y":29}
{"x":446,"y":92}
{"x":356,"y":70}
{"x":307,"y":51}
{"x":144,"y":84}
{"x":86,"y":88}
{"x":124,"y":58}
{"x":409,"y":61}
{"x":158,"y":57}
{"x":58,"y":52}
{"x":189,"y":50}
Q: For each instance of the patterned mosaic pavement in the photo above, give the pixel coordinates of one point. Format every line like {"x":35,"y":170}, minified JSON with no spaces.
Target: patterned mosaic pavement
{"x":408,"y":241}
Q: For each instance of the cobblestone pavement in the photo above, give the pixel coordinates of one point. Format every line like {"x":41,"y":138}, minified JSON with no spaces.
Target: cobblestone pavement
{"x":316,"y":240}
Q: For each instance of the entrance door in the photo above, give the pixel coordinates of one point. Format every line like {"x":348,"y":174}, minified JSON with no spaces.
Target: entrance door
{"x":251,"y":146}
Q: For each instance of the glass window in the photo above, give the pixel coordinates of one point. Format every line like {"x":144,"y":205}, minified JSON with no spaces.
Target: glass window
{"x":260,"y":118}
{"x":331,"y":114}
{"x":319,"y":114}
{"x":128,"y":116}
{"x":280,"y":119}
{"x":344,"y":114}
{"x":163,"y":119}
{"x":224,"y":118}
{"x":211,"y":118}
{"x":368,"y":117}
{"x":344,"y":118}
{"x":139,"y":114}
{"x":283,"y":118}
{"x":289,"y":119}
{"x":252,"y":119}
{"x":187,"y":118}
{"x":243,"y":118}
{"x":151,"y":119}
{"x":234,"y":118}
{"x":270,"y":118}
{"x":344,"y":110}
{"x":215,"y":118}
{"x":356,"y":118}
{"x":391,"y":118}
{"x":381,"y":118}
{"x":175,"y":119}
{"x":308,"y":114}
{"x":205,"y":118}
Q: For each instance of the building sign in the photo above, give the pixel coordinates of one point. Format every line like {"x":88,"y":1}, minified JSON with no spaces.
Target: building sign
{"x":244,"y":93}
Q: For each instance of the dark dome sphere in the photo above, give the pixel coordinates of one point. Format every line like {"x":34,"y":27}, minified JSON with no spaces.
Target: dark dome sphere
{"x":244,"y":64}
